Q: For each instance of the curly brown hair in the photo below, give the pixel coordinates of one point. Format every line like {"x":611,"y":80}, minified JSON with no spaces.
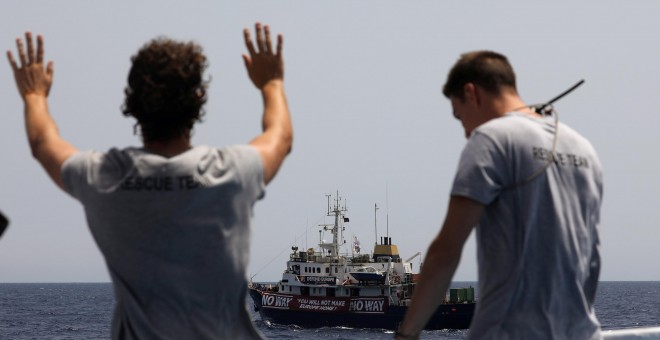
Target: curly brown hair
{"x":166,"y":89}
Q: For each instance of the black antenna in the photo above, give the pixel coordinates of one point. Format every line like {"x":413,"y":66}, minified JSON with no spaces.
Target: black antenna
{"x":546,"y":109}
{"x":539,"y":109}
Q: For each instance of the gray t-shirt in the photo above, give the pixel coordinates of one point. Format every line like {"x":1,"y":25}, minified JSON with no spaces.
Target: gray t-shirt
{"x":538,"y":244}
{"x":175,"y":236}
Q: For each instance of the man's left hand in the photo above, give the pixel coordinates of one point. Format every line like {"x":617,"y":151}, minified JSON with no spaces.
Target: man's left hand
{"x":31,"y":76}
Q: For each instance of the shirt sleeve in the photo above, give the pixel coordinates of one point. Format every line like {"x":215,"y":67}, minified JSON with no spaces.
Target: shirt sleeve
{"x":482,"y":168}
{"x":250,"y":169}
{"x":74,"y":171}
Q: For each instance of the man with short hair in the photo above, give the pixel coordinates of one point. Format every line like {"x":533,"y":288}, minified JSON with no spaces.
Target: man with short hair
{"x":171,"y":219}
{"x":533,"y":188}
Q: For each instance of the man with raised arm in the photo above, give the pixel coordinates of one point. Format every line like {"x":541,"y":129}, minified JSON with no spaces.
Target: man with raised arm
{"x":533,"y":189}
{"x":171,"y":219}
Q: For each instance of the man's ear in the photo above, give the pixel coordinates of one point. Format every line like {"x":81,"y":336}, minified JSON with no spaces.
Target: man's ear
{"x":471,"y":93}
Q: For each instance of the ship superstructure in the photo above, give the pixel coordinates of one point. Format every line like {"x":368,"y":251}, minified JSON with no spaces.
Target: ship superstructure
{"x":325,"y":287}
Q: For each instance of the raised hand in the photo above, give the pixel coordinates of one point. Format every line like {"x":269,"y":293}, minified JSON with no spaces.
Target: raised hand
{"x":263,"y":63}
{"x":31,"y":76}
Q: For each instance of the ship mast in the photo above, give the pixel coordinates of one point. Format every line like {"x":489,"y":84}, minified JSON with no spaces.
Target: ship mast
{"x":375,"y":223}
{"x":387,"y":212}
{"x":336,"y":211}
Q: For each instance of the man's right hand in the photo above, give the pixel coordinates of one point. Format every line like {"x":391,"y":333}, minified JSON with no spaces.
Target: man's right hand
{"x":263,"y":64}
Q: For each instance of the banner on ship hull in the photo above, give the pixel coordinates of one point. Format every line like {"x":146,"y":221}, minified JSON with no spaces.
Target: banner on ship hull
{"x":324,"y":304}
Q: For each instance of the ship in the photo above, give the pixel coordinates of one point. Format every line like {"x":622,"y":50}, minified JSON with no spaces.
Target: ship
{"x":324,"y":287}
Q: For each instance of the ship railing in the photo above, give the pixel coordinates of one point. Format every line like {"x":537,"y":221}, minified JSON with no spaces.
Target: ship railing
{"x":260,"y":286}
{"x":647,"y":333}
{"x":297,"y":259}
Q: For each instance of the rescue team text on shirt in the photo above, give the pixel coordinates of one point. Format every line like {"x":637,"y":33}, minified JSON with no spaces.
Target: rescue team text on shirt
{"x":563,"y":159}
{"x":159,"y":183}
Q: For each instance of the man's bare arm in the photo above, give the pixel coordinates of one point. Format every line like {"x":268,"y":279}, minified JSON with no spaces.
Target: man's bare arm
{"x":440,"y":263}
{"x":266,"y":70}
{"x":33,"y":81}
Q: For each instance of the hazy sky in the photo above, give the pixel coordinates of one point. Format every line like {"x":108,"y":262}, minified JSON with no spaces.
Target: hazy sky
{"x":363,"y":80}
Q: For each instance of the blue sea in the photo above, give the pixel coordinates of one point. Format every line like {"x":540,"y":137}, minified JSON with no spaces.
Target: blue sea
{"x":84,"y":311}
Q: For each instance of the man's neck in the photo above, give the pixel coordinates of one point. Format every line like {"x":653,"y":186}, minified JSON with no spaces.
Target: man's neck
{"x":169,"y":148}
{"x":509,"y":102}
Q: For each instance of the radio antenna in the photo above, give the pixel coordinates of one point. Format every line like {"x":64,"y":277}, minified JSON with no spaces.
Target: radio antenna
{"x":546,"y":110}
{"x":541,"y":107}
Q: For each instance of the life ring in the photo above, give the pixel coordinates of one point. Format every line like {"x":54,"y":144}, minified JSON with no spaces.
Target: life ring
{"x":396,"y":279}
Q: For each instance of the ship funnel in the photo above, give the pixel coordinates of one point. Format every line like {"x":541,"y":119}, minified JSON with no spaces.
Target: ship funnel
{"x":386,"y":250}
